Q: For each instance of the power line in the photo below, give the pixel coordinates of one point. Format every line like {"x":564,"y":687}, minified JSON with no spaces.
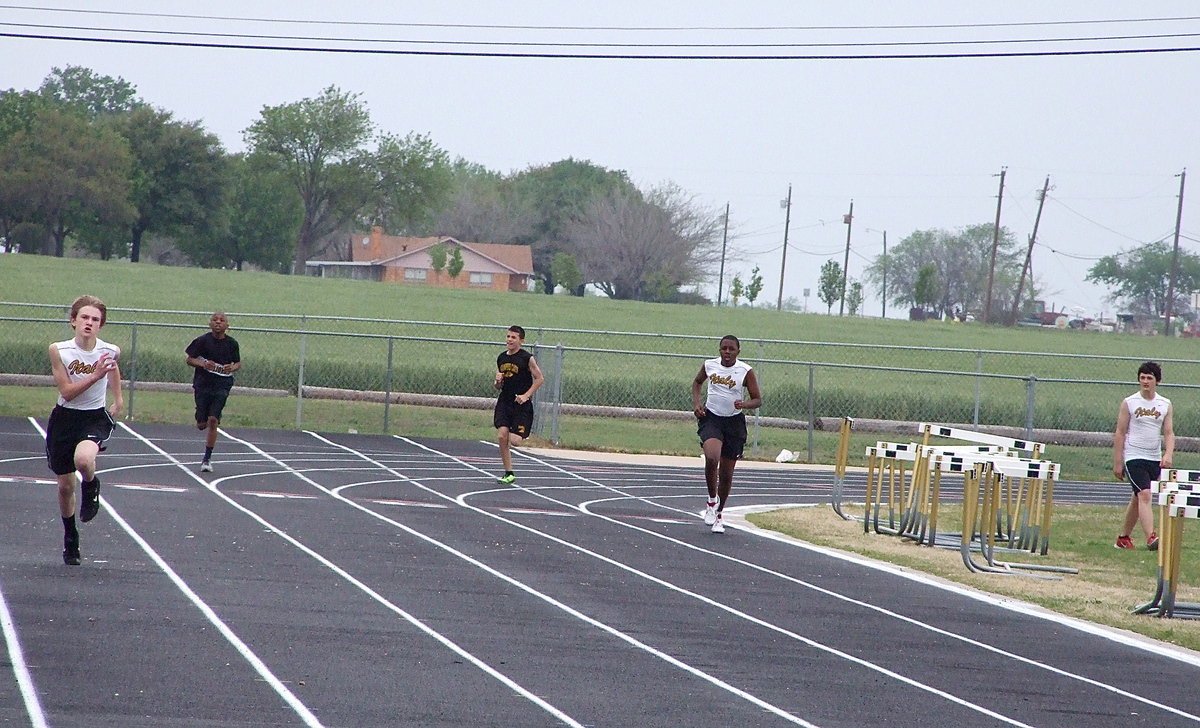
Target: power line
{"x":602,"y":56}
{"x":638,"y":28}
{"x":608,"y":44}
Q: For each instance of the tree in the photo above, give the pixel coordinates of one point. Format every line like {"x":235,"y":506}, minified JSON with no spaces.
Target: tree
{"x":413,"y":180}
{"x":1139,"y":278}
{"x":318,"y":144}
{"x":566,"y":271}
{"x":178,"y":174}
{"x":437,"y":256}
{"x":755,"y":287}
{"x":925,"y":289}
{"x":829,"y":285}
{"x":63,"y":173}
{"x":854,"y":297}
{"x":484,"y":206}
{"x":455,"y":266}
{"x":84,"y":91}
{"x":736,"y":288}
{"x":645,"y":246}
{"x":961,"y":259}
{"x":257,"y":222}
{"x":557,"y":195}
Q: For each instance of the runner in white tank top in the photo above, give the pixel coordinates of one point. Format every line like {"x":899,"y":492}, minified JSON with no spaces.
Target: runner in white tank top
{"x":1144,"y":442}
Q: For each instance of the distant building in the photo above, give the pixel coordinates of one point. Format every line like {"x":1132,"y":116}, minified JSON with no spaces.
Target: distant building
{"x":397,"y":259}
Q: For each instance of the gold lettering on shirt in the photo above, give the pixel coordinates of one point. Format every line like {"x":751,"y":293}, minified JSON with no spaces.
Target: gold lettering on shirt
{"x":727,"y":380}
{"x":78,"y":367}
{"x":1147,"y":412}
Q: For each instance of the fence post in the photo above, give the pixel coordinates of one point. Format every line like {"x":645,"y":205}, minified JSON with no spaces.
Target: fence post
{"x":556,"y":403}
{"x":811,"y":420}
{"x":1030,"y":384}
{"x":300,"y":373}
{"x":978,"y":380}
{"x":387,"y":396}
{"x":132,"y":370}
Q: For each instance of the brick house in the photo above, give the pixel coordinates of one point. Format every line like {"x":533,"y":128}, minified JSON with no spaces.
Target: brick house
{"x":398,"y":259}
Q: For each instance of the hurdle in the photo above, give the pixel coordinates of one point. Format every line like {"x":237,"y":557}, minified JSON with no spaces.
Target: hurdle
{"x":840,"y":463}
{"x":1178,"y":498}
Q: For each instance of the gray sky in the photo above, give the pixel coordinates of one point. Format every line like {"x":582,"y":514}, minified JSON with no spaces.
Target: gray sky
{"x":916,"y":143}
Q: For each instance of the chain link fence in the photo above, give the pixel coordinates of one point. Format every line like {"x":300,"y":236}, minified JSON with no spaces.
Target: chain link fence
{"x":317,"y":359}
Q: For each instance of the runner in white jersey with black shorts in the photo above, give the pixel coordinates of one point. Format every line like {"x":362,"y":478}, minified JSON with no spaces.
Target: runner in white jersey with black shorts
{"x":85,"y":369}
{"x":722,"y":422}
{"x":1143,"y":444}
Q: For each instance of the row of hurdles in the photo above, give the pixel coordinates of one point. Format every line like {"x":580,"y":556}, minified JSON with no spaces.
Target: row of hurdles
{"x":1007,"y":495}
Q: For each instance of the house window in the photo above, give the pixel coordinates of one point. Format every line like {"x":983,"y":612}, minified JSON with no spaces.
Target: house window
{"x":415,"y":275}
{"x":481,"y":279}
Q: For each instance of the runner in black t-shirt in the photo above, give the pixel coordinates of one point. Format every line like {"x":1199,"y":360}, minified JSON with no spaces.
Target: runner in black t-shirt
{"x":517,"y":378}
{"x":216,"y":357}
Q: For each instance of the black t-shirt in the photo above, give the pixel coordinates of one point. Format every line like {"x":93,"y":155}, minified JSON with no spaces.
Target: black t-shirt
{"x":517,"y":376}
{"x":221,"y":351}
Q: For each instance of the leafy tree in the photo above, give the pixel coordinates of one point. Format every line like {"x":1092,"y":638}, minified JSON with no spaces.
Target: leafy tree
{"x":854,"y":297}
{"x":1139,"y":278}
{"x":318,"y":144}
{"x":88,"y":93}
{"x":645,"y":246}
{"x":455,"y":266}
{"x":961,"y":259}
{"x":65,"y":172}
{"x":484,"y":206}
{"x":926,"y":289}
{"x":755,"y":287}
{"x":413,"y":179}
{"x":829,"y":285}
{"x":437,"y":257}
{"x":566,"y":271}
{"x":178,"y":174}
{"x":736,"y":288}
{"x":257,"y":222}
{"x":558,"y":194}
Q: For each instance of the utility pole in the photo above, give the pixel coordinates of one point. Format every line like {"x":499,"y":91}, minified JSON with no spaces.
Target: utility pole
{"x":787,"y":222}
{"x":724,"y":241}
{"x":1029,"y":253}
{"x":1174,"y":258}
{"x":849,"y":220}
{"x":987,"y":302}
{"x":885,"y":267}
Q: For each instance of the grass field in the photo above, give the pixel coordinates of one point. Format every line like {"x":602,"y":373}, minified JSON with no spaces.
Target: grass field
{"x":1111,"y":581}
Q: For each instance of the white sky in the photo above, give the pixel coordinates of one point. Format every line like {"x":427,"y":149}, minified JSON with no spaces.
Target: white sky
{"x":916,"y":144}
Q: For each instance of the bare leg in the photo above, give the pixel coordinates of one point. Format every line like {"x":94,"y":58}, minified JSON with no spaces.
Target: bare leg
{"x":1145,"y":512}
{"x":712,"y":457}
{"x":66,"y":494}
{"x":507,"y":441}
{"x":210,"y":439}
{"x":725,"y":481}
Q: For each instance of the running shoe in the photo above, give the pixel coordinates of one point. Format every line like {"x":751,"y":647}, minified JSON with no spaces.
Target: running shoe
{"x":1152,"y":542}
{"x":1124,"y":542}
{"x":719,"y":524}
{"x":507,"y":479}
{"x":710,"y":514}
{"x":91,"y":499}
{"x":205,"y":466}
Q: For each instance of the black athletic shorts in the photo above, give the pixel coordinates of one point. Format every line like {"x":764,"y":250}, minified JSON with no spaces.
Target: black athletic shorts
{"x":1139,"y":473}
{"x":518,"y":418}
{"x":731,"y":431}
{"x":210,"y":403}
{"x":69,"y":427}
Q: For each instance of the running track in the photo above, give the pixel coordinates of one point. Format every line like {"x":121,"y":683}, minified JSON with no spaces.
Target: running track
{"x":352,"y":581}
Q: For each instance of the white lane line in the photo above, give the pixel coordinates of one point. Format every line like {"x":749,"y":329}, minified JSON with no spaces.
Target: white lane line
{"x":411,"y":619}
{"x":780,"y":712}
{"x":243,"y":649}
{"x":1003,"y":603}
{"x":16,"y":657}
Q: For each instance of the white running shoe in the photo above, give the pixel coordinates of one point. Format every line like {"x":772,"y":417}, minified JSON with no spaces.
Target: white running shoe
{"x":205,"y":467}
{"x":710,"y":515}
{"x":718,"y":524}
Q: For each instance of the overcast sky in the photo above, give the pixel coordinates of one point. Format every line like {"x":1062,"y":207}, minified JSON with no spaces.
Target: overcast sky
{"x":915,"y":143}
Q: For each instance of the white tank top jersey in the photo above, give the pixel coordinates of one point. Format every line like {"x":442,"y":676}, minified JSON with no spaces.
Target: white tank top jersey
{"x":726,"y":385}
{"x":80,"y":365}
{"x":1143,"y":440}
